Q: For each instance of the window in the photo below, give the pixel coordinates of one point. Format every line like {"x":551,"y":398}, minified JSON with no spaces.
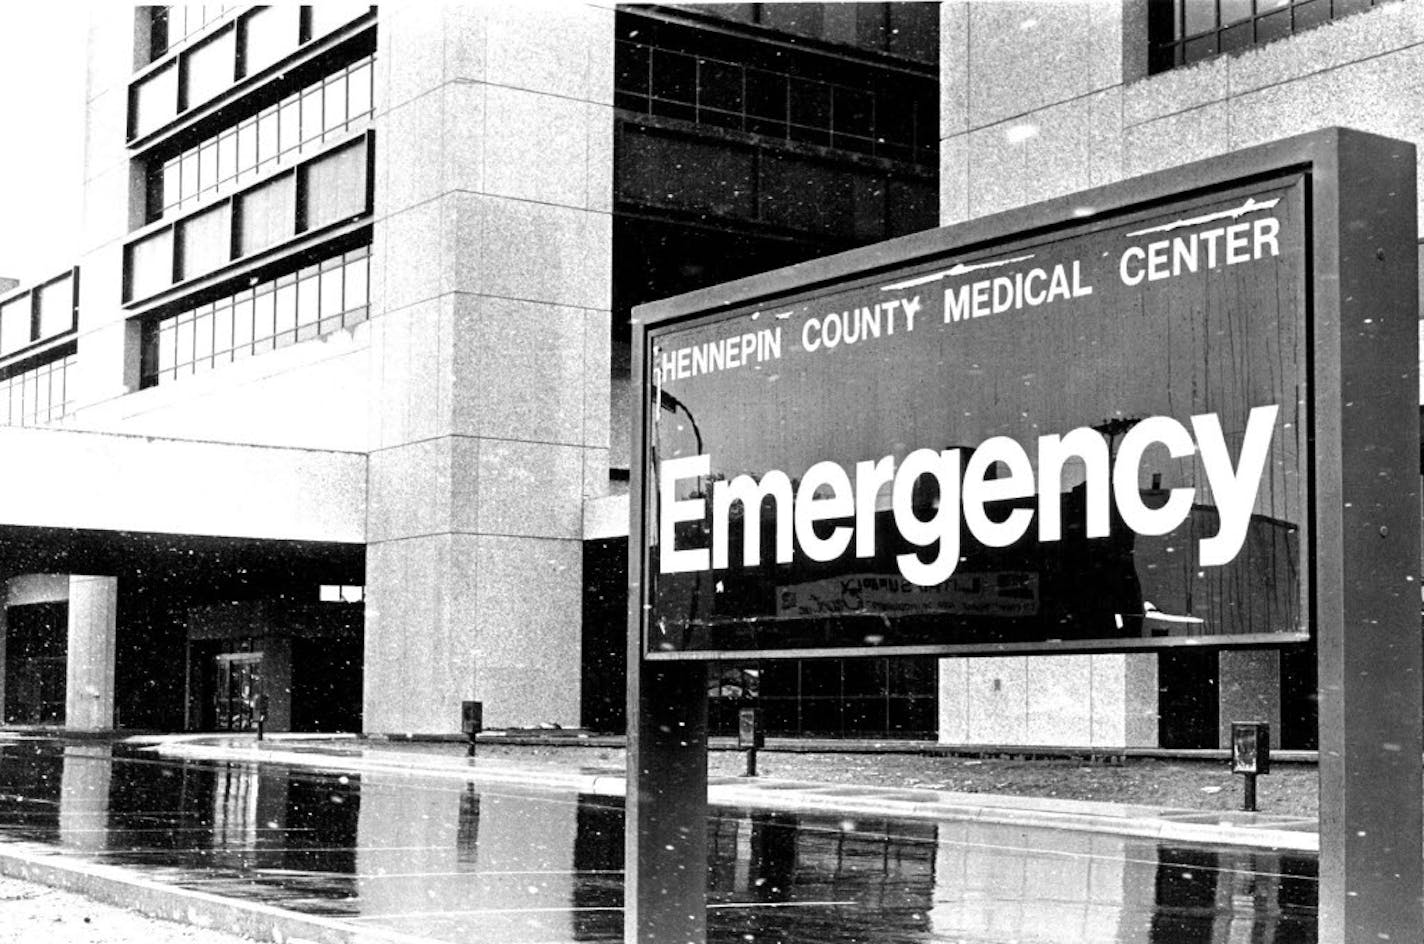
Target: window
{"x":896,"y":122}
{"x":15,"y":325}
{"x":37,"y":394}
{"x":1182,"y":32}
{"x":155,"y":100}
{"x":204,"y":242}
{"x":331,"y":14}
{"x":336,"y":186}
{"x":151,"y":264}
{"x":316,"y":299}
{"x":267,"y":215}
{"x":336,"y":105}
{"x":268,"y":34}
{"x":56,"y":307}
{"x":341,"y":593}
{"x":210,"y":68}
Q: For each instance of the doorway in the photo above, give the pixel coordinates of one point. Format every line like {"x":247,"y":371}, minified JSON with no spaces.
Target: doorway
{"x":238,"y":683}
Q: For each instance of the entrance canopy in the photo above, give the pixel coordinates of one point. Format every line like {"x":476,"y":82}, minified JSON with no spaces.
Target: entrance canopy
{"x":57,"y":478}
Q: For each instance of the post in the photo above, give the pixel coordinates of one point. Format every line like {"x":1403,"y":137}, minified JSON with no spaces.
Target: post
{"x":750,"y":736}
{"x":1367,"y":542}
{"x":1250,"y":756}
{"x":665,"y":849}
{"x":472,"y":722}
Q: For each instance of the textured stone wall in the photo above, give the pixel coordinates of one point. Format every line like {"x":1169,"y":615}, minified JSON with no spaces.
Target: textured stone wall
{"x":489,"y":358}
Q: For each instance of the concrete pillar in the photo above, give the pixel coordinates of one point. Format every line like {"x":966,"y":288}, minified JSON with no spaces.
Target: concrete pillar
{"x":1249,"y":689}
{"x":489,"y":358}
{"x":89,"y":679}
{"x":4,"y":644}
{"x":113,"y":206}
{"x":84,"y":796}
{"x":277,"y":682}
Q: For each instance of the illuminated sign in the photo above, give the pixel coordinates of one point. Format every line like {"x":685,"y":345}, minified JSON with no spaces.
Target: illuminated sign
{"x":1089,"y":436}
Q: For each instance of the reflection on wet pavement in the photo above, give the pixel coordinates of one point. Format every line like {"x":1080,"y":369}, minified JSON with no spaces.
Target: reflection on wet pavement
{"x":452,"y":862}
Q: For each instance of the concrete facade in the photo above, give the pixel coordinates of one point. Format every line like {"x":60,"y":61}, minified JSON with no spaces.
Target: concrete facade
{"x":489,"y":405}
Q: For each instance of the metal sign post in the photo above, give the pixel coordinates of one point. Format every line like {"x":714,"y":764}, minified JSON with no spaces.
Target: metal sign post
{"x":1176,"y":411}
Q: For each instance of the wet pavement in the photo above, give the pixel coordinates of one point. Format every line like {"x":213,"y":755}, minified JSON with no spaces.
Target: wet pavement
{"x":444,"y":861}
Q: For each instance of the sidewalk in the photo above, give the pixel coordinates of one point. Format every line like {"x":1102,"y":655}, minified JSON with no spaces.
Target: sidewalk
{"x":352,"y":755}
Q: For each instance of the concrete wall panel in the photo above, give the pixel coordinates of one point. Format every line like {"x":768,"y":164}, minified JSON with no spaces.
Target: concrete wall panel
{"x":529,"y":625}
{"x":310,"y":395}
{"x":205,"y":488}
{"x":504,"y":345}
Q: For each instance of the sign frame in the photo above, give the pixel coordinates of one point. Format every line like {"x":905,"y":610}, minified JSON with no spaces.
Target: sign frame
{"x":1364,"y":514}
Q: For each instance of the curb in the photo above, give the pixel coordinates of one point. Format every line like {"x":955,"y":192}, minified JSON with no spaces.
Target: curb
{"x":125,"y":888}
{"x":809,"y":797}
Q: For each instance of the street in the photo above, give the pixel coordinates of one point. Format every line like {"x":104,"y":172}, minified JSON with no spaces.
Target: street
{"x":432,"y":859}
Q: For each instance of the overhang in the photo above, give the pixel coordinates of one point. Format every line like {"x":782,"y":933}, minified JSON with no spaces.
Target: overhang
{"x":59,"y":478}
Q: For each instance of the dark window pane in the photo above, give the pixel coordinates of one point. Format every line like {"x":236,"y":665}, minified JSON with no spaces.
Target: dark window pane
{"x":1198,"y":49}
{"x":1273,"y":27}
{"x":674,"y":76}
{"x":854,"y":112}
{"x":914,"y":29}
{"x":631,"y":68}
{"x":719,"y":85}
{"x":1237,"y":37}
{"x":810,"y":113}
{"x":1346,"y":7}
{"x":804,"y":19}
{"x":766,"y":94}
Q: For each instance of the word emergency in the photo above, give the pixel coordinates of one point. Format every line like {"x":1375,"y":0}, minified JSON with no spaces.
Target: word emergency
{"x":826,"y":494}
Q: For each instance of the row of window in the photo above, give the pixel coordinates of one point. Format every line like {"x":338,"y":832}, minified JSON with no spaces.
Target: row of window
{"x":44,"y":312}
{"x":38,"y":395}
{"x":170,"y":25}
{"x":251,"y":43}
{"x":301,"y":122}
{"x":891,"y":123}
{"x":315,"y":300}
{"x":327,"y":189}
{"x":783,"y":190}
{"x":1186,"y":31}
{"x":906,"y":30}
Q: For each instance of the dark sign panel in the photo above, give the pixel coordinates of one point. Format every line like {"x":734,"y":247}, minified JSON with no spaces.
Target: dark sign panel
{"x":1090,"y":437}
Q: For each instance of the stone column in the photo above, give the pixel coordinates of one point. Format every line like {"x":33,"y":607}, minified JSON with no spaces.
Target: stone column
{"x":1249,"y":689}
{"x":89,"y":679}
{"x":84,"y":785}
{"x":490,"y":358}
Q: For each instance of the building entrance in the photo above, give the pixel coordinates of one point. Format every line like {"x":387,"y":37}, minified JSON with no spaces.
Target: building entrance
{"x":35,"y":654}
{"x":237,"y":685}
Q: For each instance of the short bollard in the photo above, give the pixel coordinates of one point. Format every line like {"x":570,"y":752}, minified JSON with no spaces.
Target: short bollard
{"x":259,"y":709}
{"x":750,"y":736}
{"x":472,"y":722}
{"x":1250,"y":756}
